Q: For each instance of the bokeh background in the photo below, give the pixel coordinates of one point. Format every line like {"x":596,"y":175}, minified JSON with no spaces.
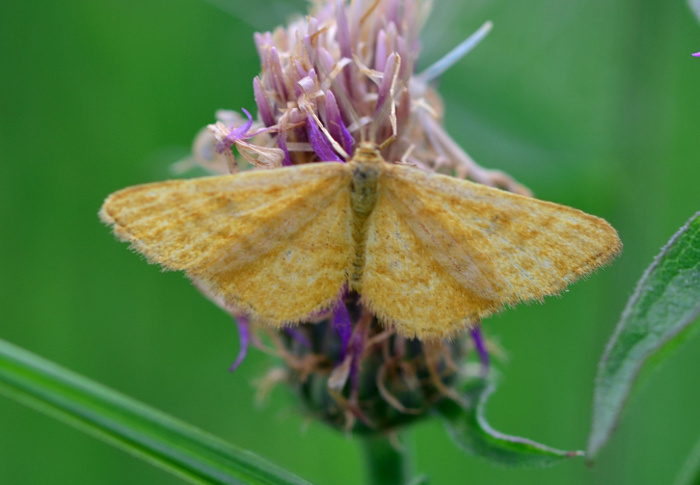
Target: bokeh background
{"x":594,"y":104}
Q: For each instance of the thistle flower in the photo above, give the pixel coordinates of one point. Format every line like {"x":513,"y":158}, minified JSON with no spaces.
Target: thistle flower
{"x":341,"y":75}
{"x":344,"y":72}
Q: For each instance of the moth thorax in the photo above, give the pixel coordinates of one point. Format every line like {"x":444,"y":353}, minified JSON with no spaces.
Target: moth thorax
{"x":364,"y":186}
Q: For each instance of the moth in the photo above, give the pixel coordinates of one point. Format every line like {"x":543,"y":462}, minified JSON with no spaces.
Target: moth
{"x":429,"y":254}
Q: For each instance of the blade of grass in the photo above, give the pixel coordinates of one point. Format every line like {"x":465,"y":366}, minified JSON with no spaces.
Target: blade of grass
{"x":145,"y":432}
{"x":666,"y":301}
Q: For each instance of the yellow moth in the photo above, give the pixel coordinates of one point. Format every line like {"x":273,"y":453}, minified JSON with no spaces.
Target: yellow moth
{"x":429,"y":254}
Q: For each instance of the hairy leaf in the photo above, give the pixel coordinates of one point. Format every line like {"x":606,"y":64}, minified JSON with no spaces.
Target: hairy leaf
{"x":666,"y":301}
{"x":468,"y":427}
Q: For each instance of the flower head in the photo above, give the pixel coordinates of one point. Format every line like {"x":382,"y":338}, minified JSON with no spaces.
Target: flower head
{"x":342,"y":75}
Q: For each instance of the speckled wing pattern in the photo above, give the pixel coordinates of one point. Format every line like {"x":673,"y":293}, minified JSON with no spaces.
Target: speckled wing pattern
{"x":276,"y":244}
{"x":442,"y":252}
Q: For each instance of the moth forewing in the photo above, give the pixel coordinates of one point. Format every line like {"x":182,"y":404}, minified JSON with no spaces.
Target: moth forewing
{"x":487,"y":247}
{"x":275,"y":243}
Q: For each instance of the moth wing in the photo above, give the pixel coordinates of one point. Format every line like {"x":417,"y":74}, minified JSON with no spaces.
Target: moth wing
{"x":276,"y":244}
{"x":442,"y":252}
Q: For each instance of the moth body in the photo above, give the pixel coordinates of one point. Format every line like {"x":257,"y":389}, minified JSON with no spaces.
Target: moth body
{"x":365,"y":168}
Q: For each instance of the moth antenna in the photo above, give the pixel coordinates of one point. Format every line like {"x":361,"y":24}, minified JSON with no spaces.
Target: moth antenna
{"x":448,"y":60}
{"x":363,"y":137}
{"x":402,"y":85}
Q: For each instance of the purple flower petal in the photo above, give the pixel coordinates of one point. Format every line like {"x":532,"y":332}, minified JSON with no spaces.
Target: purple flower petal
{"x":319,"y":142}
{"x":243,"y":129}
{"x":325,"y":60}
{"x":298,"y":336}
{"x":235,"y":134}
{"x":392,"y":11}
{"x":345,"y":43}
{"x":326,"y":64}
{"x":262,"y":102}
{"x":307,"y":84}
{"x":480,"y":347}
{"x":244,"y":339}
{"x":336,"y":127}
{"x":358,"y":347}
{"x":342,"y":323}
{"x":301,"y":72}
{"x":277,"y":76}
{"x":384,"y":91}
{"x":282,"y":144}
{"x":380,"y":53}
{"x":697,"y":54}
{"x":343,"y":34}
{"x":262,"y":41}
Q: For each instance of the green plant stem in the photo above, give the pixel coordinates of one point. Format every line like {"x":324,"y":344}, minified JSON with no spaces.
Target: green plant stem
{"x":386,"y":465}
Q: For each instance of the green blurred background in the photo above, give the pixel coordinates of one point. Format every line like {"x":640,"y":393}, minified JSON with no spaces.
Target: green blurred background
{"x":593,"y":104}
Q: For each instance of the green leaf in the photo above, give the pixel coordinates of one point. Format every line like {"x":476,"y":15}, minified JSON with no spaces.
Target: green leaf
{"x":157,"y":438}
{"x":666,"y":301}
{"x":469,"y":429}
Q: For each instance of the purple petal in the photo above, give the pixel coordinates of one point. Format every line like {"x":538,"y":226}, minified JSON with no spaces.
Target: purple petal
{"x":235,"y":133}
{"x":326,"y":65}
{"x":307,"y":84}
{"x":336,"y":127}
{"x":262,"y":102}
{"x":312,"y":26}
{"x":380,"y":53}
{"x":384,"y":91}
{"x":310,"y":50}
{"x":278,"y":76}
{"x":358,"y":347}
{"x":392,"y":11}
{"x":344,"y":41}
{"x":343,"y":34}
{"x":262,"y":41}
{"x":342,"y":323}
{"x":282,"y":144}
{"x":697,"y":54}
{"x":319,"y":142}
{"x":298,"y":336}
{"x":244,"y":339}
{"x":480,"y":347}
{"x":325,"y":60}
{"x":243,"y":129}
{"x":297,"y":120}
{"x":301,"y":72}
